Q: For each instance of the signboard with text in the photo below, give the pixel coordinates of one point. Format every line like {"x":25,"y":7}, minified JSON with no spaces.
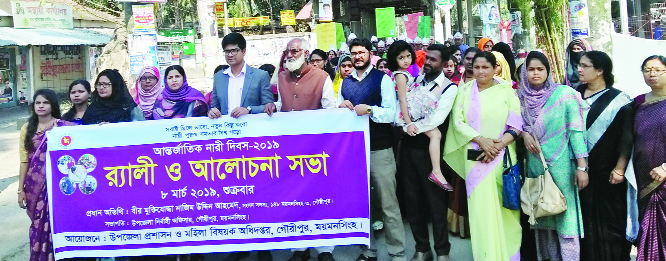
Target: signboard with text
{"x":288,"y":17}
{"x":325,"y":11}
{"x":385,"y":22}
{"x":579,"y":18}
{"x":37,"y":15}
{"x":198,"y":185}
{"x":144,"y":19}
{"x":219,"y":14}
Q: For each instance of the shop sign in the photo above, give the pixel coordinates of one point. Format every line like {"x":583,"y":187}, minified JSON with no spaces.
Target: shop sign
{"x":41,"y":15}
{"x":288,"y":17}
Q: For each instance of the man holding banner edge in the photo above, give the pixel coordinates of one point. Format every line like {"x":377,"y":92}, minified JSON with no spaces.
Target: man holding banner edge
{"x":372,"y":92}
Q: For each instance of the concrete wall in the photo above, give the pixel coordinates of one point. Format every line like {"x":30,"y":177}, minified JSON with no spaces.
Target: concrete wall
{"x":56,"y":70}
{"x":628,"y":55}
{"x":93,"y":24}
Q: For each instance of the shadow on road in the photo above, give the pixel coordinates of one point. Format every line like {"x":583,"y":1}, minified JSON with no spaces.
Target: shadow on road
{"x":4,"y":183}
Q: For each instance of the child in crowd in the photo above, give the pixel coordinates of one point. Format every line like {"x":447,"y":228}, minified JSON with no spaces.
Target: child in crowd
{"x":451,"y":67}
{"x":416,"y":103}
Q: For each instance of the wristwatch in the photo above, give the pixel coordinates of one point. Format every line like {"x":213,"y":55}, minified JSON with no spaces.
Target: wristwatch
{"x":249,"y":109}
{"x":583,"y":169}
{"x":369,"y":111}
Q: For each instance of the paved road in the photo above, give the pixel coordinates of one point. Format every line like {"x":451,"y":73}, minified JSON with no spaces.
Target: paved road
{"x":14,"y":222}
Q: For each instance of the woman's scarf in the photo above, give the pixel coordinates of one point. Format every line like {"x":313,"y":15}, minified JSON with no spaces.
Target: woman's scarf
{"x":505,"y":50}
{"x":463,"y":49}
{"x":505,"y":74}
{"x":532,"y":99}
{"x":571,"y":77}
{"x":146,"y":99}
{"x":337,"y":81}
{"x":175,"y":104}
{"x":483,"y":42}
{"x":115,"y":108}
{"x":185,"y":93}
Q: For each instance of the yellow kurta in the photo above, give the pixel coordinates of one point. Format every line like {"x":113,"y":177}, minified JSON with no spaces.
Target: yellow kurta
{"x":495,"y":230}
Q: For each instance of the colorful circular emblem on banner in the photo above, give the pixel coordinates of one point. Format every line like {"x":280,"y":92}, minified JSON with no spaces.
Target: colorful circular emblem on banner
{"x":66,"y":140}
{"x":77,"y":173}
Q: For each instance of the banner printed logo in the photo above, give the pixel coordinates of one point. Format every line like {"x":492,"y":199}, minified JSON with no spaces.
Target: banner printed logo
{"x":77,"y":174}
{"x":66,"y":140}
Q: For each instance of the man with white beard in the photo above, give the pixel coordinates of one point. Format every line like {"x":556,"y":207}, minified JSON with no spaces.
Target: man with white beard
{"x":301,"y":86}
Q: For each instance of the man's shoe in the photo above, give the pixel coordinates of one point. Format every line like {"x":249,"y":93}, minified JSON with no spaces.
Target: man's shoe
{"x":443,"y":258}
{"x":265,"y":255}
{"x":301,"y":256}
{"x":422,"y":256}
{"x":363,"y":257}
{"x":326,"y":256}
{"x":237,"y":256}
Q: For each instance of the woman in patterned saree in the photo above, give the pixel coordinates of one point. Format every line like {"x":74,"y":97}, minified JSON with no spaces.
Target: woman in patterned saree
{"x":32,"y":174}
{"x":554,"y":124}
{"x":649,"y":169}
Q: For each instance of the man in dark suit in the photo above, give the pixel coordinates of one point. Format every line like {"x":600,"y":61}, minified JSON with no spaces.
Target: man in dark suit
{"x":240,"y":89}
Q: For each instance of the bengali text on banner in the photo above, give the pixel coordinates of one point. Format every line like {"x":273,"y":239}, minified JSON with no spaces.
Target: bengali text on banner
{"x":199,"y":185}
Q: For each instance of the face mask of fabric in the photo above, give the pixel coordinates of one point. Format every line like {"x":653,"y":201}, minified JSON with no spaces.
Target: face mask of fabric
{"x":575,"y":56}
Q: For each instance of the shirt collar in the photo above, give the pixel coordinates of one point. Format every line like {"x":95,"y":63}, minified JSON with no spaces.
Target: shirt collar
{"x":228,"y":71}
{"x":440,"y":80}
{"x":353,"y":74}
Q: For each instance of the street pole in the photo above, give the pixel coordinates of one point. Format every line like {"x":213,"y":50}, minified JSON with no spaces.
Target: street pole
{"x":460,"y":15}
{"x":447,"y":21}
{"x":624,"y":17}
{"x":226,"y":19}
{"x":439,"y":28}
{"x":638,"y":13}
{"x":470,"y":24}
{"x":315,"y":13}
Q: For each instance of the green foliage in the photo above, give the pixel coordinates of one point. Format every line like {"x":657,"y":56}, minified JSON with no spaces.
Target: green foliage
{"x":548,"y":18}
{"x":108,"y":6}
{"x":526,"y":7}
{"x":250,"y":8}
{"x":173,"y":12}
{"x":239,"y":8}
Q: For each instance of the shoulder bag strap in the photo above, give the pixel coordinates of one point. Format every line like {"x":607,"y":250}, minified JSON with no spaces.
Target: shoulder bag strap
{"x":543,"y":160}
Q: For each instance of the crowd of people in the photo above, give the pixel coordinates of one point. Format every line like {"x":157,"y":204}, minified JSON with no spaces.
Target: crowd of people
{"x":451,"y":116}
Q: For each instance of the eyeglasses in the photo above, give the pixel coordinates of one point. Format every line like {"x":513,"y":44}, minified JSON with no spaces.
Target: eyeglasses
{"x":354,"y":54}
{"x":103,"y":85}
{"x":149,"y":78}
{"x":584,"y":66}
{"x":294,"y":52}
{"x":316,"y":61}
{"x":232,"y":52}
{"x":650,"y":71}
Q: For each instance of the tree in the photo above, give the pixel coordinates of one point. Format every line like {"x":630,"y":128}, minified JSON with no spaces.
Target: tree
{"x":108,"y":6}
{"x":600,"y":25}
{"x":549,"y":20}
{"x":176,"y":13}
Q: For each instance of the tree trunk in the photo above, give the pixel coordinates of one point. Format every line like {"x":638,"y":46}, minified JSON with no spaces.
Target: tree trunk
{"x":194,"y":15}
{"x":176,"y":9}
{"x":600,"y":25}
